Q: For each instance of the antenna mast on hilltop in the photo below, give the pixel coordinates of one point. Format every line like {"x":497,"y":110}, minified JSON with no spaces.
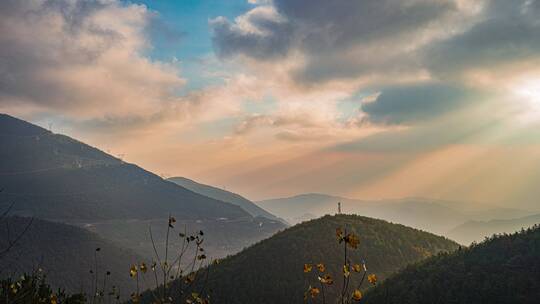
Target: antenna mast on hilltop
{"x":339,"y":207}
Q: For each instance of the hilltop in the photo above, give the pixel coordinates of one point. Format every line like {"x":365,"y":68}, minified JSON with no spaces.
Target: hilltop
{"x":271,"y":270}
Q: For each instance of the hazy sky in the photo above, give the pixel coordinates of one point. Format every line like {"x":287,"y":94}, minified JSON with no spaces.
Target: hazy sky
{"x":366,"y":98}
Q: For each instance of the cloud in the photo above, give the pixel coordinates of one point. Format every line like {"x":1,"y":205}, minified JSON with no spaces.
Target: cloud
{"x":404,"y":49}
{"x":405,"y":104}
{"x":262,"y":33}
{"x":340,"y":39}
{"x":85,"y":59}
{"x":506,"y":31}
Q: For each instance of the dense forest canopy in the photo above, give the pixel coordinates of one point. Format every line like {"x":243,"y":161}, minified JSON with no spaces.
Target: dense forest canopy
{"x":503,"y":269}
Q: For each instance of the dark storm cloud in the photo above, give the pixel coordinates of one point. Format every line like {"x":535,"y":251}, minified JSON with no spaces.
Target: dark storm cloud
{"x":347,"y":39}
{"x":507,"y":31}
{"x":405,"y":104}
{"x":334,"y":24}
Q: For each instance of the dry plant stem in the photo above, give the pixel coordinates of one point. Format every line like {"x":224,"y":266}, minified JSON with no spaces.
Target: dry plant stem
{"x":155,"y":253}
{"x":178,"y":259}
{"x":12,"y":243}
{"x":137,"y":277}
{"x":104,"y":285}
{"x":205,"y":280}
{"x":165,"y":265}
{"x":344,"y":265}
{"x":362,"y":280}
{"x":156,"y":298}
{"x":95,"y":277}
{"x":323,"y":296}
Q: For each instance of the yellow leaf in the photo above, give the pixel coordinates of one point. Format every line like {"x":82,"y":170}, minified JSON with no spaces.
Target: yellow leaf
{"x":135,"y":298}
{"x":314,"y":291}
{"x":357,"y":295}
{"x":327,"y":279}
{"x":143,"y":267}
{"x":133,"y":271}
{"x":346,"y":271}
{"x":352,"y":240}
{"x":172,"y":220}
{"x":307,"y":267}
{"x":357,"y":268}
{"x":190,"y":278}
{"x":321,"y":267}
{"x":339,"y":233}
{"x":372,"y":278}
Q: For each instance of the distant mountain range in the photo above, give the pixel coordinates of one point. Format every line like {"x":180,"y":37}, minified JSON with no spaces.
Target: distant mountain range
{"x":57,"y":178}
{"x":504,"y":269}
{"x":476,"y":231}
{"x":224,"y":196}
{"x":437,"y":216}
{"x":271,"y":271}
{"x":65,"y":254}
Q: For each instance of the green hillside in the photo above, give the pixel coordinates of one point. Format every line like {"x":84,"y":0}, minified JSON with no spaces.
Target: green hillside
{"x":271,"y":271}
{"x":65,"y":254}
{"x":503,"y":269}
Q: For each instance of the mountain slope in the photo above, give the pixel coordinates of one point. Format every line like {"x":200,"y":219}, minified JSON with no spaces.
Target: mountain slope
{"x":53,"y":176}
{"x":57,"y":178}
{"x":223,"y":195}
{"x":437,"y":216}
{"x":271,"y":270}
{"x":504,"y":269}
{"x":476,"y":231}
{"x":65,"y":254}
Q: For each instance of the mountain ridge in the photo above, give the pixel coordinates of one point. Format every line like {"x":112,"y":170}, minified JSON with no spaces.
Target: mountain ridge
{"x":435,"y":215}
{"x":476,"y":231}
{"x":223,"y":195}
{"x":57,"y":178}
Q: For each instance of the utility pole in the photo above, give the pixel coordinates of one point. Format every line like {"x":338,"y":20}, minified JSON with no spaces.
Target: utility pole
{"x":339,"y":207}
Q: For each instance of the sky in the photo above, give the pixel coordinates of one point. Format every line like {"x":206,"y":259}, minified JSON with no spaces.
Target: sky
{"x":368,"y":99}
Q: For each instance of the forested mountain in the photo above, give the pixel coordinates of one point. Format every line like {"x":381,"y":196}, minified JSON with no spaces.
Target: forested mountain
{"x":224,"y":196}
{"x":54,"y":177}
{"x":437,"y":216}
{"x":65,"y":254}
{"x":476,"y":231}
{"x":271,"y":271}
{"x":503,"y":269}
